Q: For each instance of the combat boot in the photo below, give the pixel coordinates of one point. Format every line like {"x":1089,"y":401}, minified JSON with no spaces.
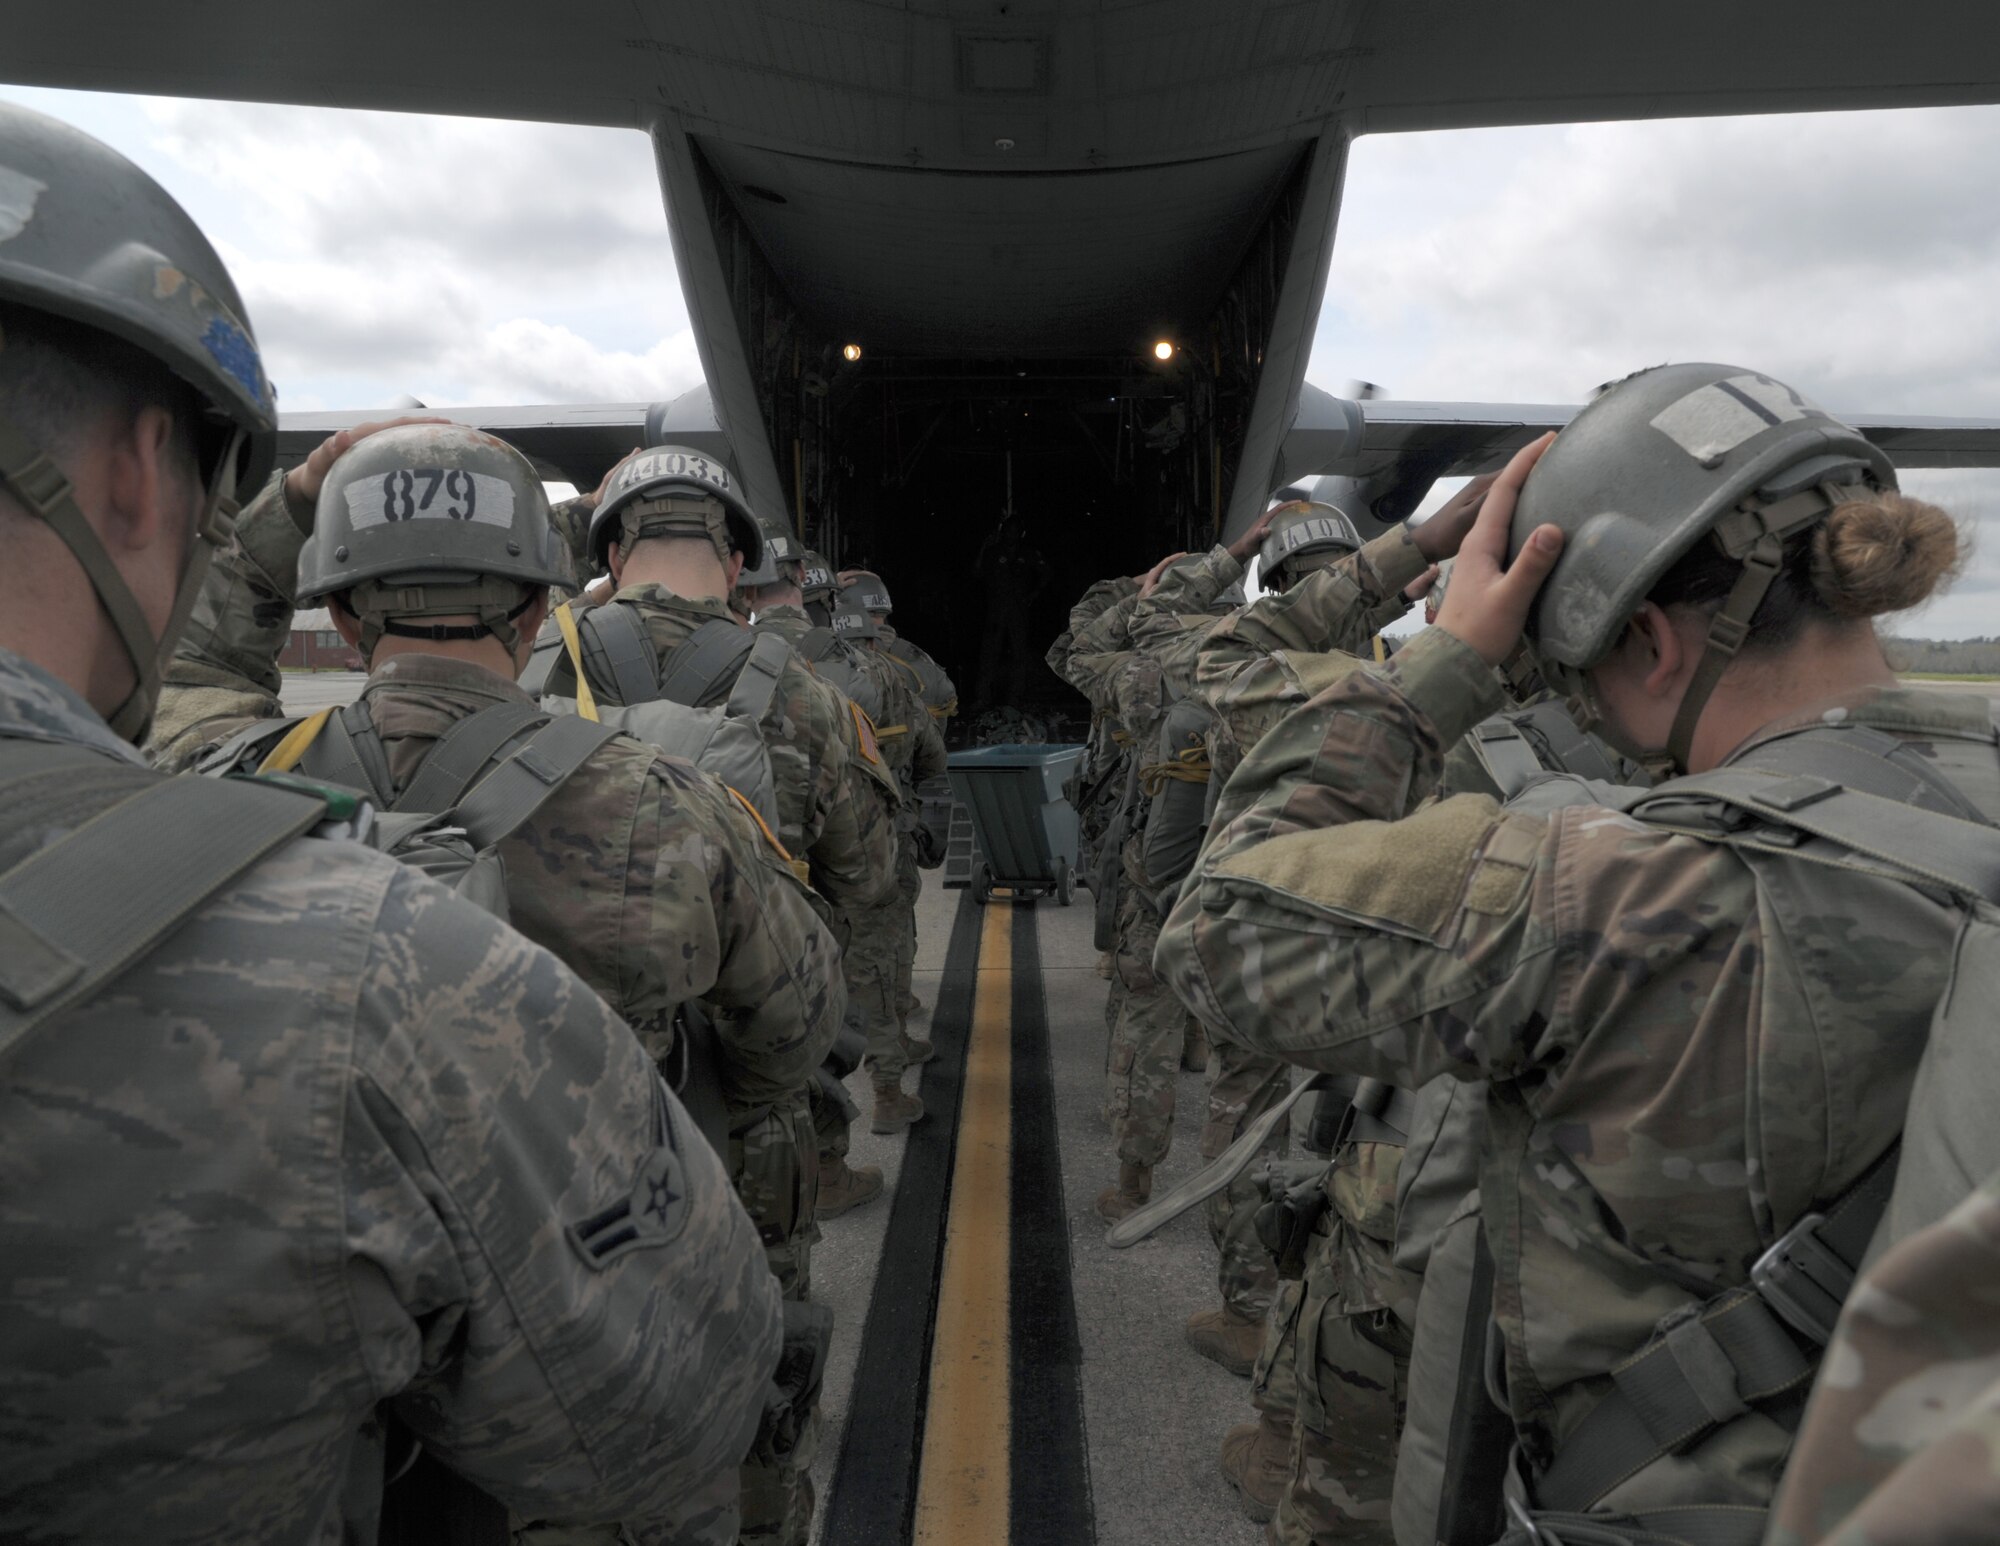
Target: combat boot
{"x":1134,"y":1188}
{"x":917,"y":1050}
{"x":894,"y":1110}
{"x":1194,"y":1049}
{"x":1257,"y":1462}
{"x":1226,"y":1337}
{"x":842,"y":1187}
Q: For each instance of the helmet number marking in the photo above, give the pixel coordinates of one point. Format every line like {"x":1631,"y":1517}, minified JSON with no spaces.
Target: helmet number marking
{"x":433,"y":494}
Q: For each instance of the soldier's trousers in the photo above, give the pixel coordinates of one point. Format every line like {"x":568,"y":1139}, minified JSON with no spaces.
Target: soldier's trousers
{"x":909,"y":886}
{"x":1146,"y":1043}
{"x":869,"y":964}
{"x":1244,"y":1086}
{"x":1351,"y":1361}
{"x":773,"y":1158}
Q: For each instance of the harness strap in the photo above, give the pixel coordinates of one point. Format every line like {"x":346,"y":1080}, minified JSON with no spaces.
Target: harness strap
{"x":1504,"y":751}
{"x":1744,"y":1348}
{"x":703,"y":661}
{"x":617,"y":652}
{"x":464,"y":752}
{"x":499,"y":803}
{"x":1378,"y":1113}
{"x":757,"y":680}
{"x":80,"y":911}
{"x":586,"y":700}
{"x":1205,"y":1183}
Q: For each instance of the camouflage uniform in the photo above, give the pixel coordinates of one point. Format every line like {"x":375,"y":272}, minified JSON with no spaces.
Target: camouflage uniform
{"x":1149,"y":1031}
{"x":866,"y":958}
{"x":914,"y":751}
{"x":1640,"y":1153}
{"x":937,"y":694}
{"x":1331,"y":1371}
{"x":322,"y":1151}
{"x":640,"y":872}
{"x":1900,"y":1442}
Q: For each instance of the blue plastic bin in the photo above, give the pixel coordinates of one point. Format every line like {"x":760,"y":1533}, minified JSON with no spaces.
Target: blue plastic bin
{"x":1022,"y":822}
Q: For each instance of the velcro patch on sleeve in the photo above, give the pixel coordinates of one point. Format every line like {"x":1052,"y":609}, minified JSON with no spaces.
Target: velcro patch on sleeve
{"x":1507,"y":865}
{"x":1408,"y":875}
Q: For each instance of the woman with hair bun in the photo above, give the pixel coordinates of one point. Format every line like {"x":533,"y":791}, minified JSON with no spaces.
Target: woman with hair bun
{"x":1699,"y":1024}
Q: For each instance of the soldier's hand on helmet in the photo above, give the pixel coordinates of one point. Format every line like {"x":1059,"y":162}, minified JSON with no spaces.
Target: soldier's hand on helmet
{"x":1251,"y":540}
{"x":596,"y":495}
{"x":1441,"y":535}
{"x":1487,"y":603}
{"x":303,"y":482}
{"x":1151,"y":577}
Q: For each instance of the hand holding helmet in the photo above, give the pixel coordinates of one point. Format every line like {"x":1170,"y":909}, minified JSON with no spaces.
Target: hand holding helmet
{"x":1487,"y":604}
{"x":303,"y":482}
{"x":1442,"y":535}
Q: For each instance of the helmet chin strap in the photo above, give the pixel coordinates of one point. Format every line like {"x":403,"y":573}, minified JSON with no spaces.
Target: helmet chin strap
{"x":1753,"y":534}
{"x":38,"y":483}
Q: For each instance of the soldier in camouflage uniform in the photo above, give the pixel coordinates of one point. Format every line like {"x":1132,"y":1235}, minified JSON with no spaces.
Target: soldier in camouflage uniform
{"x":319,"y":1079}
{"x":641,"y":872}
{"x":1690,"y":1044}
{"x":1898,"y":1444}
{"x":776,"y":595}
{"x":938,"y":695}
{"x":674,"y":534}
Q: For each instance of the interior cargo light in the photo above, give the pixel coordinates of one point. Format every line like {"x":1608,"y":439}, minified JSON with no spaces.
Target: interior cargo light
{"x":851,"y":353}
{"x":1163,"y":351}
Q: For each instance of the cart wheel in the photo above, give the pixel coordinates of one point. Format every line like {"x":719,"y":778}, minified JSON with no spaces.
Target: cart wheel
{"x":982,"y":884}
{"x":1066,"y":886}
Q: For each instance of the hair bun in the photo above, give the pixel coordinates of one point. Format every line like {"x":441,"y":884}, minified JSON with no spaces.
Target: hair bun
{"x":1885,"y":552}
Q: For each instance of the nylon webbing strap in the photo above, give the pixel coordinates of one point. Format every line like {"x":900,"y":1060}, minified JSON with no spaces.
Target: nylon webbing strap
{"x":1754,"y":535}
{"x":704,"y":660}
{"x":1572,"y":749}
{"x":1503,"y":750}
{"x":757,"y":681}
{"x":1378,"y":1113}
{"x":1960,"y":855}
{"x":618,"y":652}
{"x":1745,"y":1348}
{"x":517,"y":788}
{"x":1864,"y":758}
{"x":463,"y":752}
{"x":348,"y":752}
{"x":76,"y":914}
{"x":1205,"y":1183}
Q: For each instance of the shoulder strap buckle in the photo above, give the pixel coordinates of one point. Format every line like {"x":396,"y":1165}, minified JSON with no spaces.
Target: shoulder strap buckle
{"x":1803,"y":1280}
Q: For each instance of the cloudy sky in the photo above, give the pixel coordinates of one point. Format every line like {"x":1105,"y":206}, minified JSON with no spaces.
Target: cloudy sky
{"x":1856,"y":256}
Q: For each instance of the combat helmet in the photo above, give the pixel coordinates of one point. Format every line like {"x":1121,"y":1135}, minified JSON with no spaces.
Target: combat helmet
{"x":1304,"y":536}
{"x":431,"y":520}
{"x":676,"y":491}
{"x":780,"y":547}
{"x":818,"y":585}
{"x":874,"y":594}
{"x":87,"y":237}
{"x":851,"y":618}
{"x":1660,"y":461}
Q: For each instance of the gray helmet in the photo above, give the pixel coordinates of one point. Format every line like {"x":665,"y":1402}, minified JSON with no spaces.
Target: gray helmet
{"x":1658,"y":462}
{"x":1304,"y":537}
{"x":677,"y":491}
{"x":780,"y":547}
{"x":430,"y":520}
{"x":820,"y":581}
{"x":87,"y":237}
{"x":852,"y":618}
{"x":874,"y":594}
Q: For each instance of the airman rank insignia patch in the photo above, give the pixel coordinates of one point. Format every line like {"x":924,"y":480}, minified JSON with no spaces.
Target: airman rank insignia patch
{"x":653,"y":1213}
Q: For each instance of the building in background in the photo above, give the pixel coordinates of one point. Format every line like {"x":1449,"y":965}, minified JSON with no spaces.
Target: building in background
{"x":315,"y":646}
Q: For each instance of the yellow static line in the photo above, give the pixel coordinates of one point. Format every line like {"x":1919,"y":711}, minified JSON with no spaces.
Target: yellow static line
{"x":962,"y":1486}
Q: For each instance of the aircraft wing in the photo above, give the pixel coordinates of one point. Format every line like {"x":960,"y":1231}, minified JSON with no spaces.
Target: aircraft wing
{"x":1370,"y":440}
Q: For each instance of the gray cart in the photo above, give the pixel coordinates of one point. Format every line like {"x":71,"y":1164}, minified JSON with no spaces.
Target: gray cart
{"x":1022,"y":824}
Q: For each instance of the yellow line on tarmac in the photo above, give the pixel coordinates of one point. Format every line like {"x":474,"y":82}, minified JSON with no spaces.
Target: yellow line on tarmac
{"x":962,"y":1487}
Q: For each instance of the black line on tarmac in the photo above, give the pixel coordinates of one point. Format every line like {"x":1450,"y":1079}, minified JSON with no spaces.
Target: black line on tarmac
{"x":873,"y":1499}
{"x":1049,"y":1471}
